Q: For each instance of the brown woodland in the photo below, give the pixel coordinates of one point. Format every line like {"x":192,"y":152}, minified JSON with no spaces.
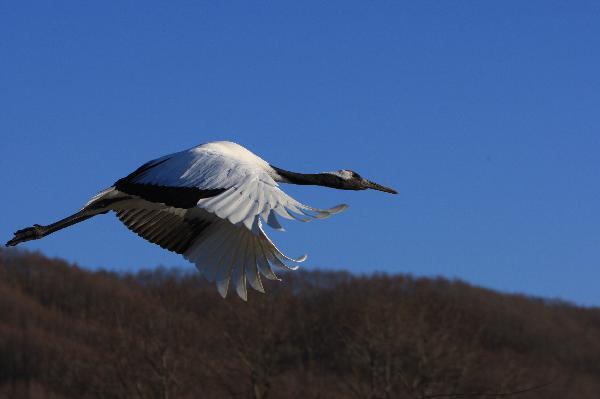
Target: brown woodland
{"x":66,"y":332}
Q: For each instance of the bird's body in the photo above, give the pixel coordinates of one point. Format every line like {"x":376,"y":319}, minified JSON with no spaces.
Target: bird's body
{"x":208,"y":203}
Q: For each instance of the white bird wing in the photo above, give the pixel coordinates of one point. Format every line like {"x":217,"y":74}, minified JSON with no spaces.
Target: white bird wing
{"x":220,"y":250}
{"x":227,"y":191}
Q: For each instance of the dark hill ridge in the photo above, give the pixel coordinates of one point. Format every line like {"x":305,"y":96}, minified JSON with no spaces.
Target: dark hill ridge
{"x":70,"y":333}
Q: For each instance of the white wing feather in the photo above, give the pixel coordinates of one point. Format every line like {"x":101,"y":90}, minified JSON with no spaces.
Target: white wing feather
{"x":234,"y":247}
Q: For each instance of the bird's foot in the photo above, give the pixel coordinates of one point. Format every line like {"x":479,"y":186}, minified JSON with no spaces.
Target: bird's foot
{"x":30,"y":233}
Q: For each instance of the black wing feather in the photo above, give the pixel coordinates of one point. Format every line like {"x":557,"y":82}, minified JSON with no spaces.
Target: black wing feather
{"x":170,"y":231}
{"x":177,"y":197}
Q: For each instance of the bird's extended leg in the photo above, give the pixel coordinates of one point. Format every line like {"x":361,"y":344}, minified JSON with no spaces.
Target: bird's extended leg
{"x":37,"y":231}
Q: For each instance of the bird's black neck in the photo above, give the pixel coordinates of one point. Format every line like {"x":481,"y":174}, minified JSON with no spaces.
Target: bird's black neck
{"x":315,"y":179}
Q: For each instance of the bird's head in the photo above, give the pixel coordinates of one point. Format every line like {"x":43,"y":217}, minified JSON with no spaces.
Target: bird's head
{"x":350,"y":180}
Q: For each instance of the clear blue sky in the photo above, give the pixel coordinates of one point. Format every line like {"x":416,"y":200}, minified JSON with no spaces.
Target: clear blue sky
{"x":484,"y":115}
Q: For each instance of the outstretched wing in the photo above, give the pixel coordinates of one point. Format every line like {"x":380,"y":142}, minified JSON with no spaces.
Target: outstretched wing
{"x":212,"y":200}
{"x":222,"y":251}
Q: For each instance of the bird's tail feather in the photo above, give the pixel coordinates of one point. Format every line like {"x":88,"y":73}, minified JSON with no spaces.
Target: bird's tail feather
{"x":37,"y":231}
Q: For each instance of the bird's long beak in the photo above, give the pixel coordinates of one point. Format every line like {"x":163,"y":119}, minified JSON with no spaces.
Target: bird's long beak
{"x":375,"y":186}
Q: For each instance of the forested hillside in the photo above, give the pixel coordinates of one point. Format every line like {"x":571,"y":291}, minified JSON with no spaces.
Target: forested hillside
{"x":69,"y":333}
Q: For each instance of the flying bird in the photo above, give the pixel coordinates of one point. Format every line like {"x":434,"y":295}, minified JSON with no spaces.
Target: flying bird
{"x":208,"y":203}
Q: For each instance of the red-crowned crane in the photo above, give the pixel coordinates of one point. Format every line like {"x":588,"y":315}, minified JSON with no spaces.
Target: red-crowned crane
{"x":207,"y":203}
